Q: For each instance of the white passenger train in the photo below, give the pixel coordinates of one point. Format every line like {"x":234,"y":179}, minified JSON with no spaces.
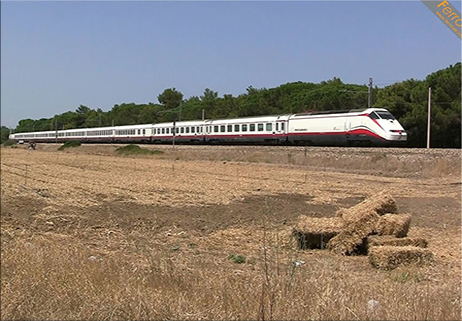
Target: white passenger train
{"x":368,"y":127}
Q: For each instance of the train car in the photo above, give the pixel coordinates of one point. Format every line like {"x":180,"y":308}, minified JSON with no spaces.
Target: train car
{"x":263,"y":129}
{"x":365,"y":127}
{"x":183,"y":132}
{"x":130,"y":133}
{"x":38,"y":137}
{"x":373,"y":126}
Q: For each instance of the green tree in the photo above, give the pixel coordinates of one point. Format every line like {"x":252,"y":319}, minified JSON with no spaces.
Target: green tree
{"x":5,"y":132}
{"x":170,"y":98}
{"x":408,"y":101}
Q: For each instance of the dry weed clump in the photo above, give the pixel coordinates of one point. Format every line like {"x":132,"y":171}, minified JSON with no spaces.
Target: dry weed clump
{"x":394,"y":224}
{"x":380,"y":203}
{"x":389,"y":240}
{"x":390,"y":257}
{"x":314,"y":233}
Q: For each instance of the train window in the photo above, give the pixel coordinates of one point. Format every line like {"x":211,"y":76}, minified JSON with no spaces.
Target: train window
{"x":215,"y":129}
{"x":252,"y":127}
{"x":193,"y":129}
{"x":163,"y":130}
{"x":269,"y":127}
{"x":282,"y":126}
{"x":222,"y":128}
{"x":236,"y":128}
{"x":198,"y":129}
{"x":373,"y":115}
{"x":187,"y":130}
{"x":277,"y":126}
{"x":385,"y":115}
{"x":260,"y":127}
{"x":182,"y":130}
{"x":244,"y":127}
{"x":230,"y":128}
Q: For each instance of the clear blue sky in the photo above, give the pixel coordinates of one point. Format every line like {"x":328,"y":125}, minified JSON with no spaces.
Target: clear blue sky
{"x":58,"y":55}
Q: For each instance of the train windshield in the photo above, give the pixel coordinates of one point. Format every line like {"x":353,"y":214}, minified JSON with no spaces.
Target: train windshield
{"x":385,"y":115}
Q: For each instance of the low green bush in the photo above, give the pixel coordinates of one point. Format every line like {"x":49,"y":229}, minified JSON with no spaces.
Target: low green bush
{"x":9,"y":142}
{"x":136,"y":150}
{"x":239,"y":259}
{"x":70,"y":143}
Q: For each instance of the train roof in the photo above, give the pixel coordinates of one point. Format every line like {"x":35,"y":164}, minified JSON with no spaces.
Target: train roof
{"x":337,"y":112}
{"x":250,"y":119}
{"x":181,"y":123}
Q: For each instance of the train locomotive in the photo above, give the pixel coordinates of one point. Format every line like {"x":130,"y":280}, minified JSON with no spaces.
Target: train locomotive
{"x":356,"y":127}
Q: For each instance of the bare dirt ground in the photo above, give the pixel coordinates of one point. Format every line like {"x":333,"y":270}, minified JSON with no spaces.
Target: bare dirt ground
{"x":199,"y":205}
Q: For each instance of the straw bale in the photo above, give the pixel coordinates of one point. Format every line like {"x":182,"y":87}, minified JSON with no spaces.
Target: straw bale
{"x":354,"y":233}
{"x":380,"y":203}
{"x":390,"y":257}
{"x":393,"y":224}
{"x":389,"y":240}
{"x":314,"y":233}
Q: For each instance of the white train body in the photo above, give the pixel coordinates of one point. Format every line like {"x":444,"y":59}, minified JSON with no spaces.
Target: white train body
{"x":373,"y":126}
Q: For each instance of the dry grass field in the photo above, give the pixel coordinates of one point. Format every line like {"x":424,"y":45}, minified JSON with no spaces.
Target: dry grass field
{"x":203,"y":232}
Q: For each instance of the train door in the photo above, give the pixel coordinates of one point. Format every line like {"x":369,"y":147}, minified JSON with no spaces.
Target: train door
{"x":276,"y":128}
{"x":280,"y":127}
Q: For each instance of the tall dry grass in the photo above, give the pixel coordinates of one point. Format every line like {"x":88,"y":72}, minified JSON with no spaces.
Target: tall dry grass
{"x":50,"y":277}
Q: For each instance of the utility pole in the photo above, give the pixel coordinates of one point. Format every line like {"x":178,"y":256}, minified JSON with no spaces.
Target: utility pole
{"x":429,"y":115}
{"x":173,"y":137}
{"x":99,"y":120}
{"x":56,"y":128}
{"x":203,"y":114}
{"x":369,"y":102}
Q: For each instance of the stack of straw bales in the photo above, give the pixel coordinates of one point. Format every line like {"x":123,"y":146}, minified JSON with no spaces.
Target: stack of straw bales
{"x":373,"y":225}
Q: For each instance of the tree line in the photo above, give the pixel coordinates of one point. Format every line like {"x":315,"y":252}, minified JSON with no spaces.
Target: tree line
{"x":407,"y":100}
